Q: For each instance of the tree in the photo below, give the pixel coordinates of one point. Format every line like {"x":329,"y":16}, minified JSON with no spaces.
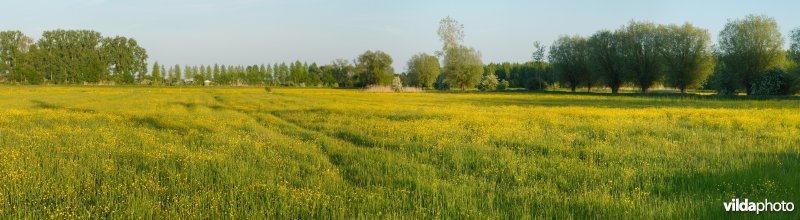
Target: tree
{"x":72,"y":56}
{"x":125,"y":59}
{"x":569,"y":57}
{"x":687,"y":57}
{"x":13,"y":48}
{"x":156,"y":74}
{"x":176,"y":73}
{"x":640,"y":51}
{"x":794,"y":49}
{"x":423,"y":70}
{"x":374,"y":68}
{"x":343,"y":72}
{"x":462,"y":65}
{"x":451,"y":33}
{"x":749,"y":48}
{"x":605,"y":58}
{"x":538,"y":52}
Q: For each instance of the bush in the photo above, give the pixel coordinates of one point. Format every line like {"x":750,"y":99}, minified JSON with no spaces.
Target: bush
{"x":488,"y":83}
{"x":397,"y":84}
{"x":268,"y":89}
{"x":440,"y":84}
{"x":776,"y":82}
{"x":536,"y":83}
{"x":503,"y":85}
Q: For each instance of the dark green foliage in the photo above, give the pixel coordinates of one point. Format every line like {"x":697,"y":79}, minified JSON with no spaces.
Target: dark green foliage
{"x":723,"y":81}
{"x":569,"y":56}
{"x":536,"y":83}
{"x":640,"y":50}
{"x":606,"y":59}
{"x":776,"y":82}
{"x":518,"y":74}
{"x":503,"y":85}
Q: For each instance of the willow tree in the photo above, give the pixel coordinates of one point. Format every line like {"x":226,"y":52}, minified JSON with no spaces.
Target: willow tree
{"x":640,"y":51}
{"x":463,"y":66}
{"x":569,"y":58}
{"x":605,"y":58}
{"x":749,"y":48}
{"x":423,"y":69}
{"x":686,"y":54}
{"x":374,"y":68}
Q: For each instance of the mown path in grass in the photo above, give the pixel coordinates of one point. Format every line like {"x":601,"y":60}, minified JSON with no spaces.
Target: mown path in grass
{"x":319,"y":153}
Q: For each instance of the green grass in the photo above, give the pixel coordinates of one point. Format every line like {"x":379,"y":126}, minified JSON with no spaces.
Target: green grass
{"x":124,"y":152}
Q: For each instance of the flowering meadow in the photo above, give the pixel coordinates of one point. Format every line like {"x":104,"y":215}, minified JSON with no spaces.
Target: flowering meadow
{"x":196,"y":153}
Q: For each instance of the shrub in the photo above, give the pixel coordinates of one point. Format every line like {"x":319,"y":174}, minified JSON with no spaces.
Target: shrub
{"x":503,"y":85}
{"x":440,"y":84}
{"x":488,"y":83}
{"x":397,"y":84}
{"x":536,"y":83}
{"x":776,"y":82}
{"x":268,"y":89}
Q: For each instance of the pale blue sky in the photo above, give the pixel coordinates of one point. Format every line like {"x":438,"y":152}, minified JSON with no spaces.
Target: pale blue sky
{"x":254,"y":32}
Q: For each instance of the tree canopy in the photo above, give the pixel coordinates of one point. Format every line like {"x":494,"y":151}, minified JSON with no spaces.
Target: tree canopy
{"x":749,"y":48}
{"x":423,"y":69}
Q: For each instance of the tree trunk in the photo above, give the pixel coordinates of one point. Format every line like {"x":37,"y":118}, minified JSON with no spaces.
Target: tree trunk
{"x":573,"y":87}
{"x":644,"y":89}
{"x":614,"y":89}
{"x":589,"y":88}
{"x":683,"y":90}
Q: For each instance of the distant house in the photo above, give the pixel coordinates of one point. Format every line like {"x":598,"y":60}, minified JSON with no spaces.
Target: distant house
{"x":188,"y":81}
{"x":207,"y":82}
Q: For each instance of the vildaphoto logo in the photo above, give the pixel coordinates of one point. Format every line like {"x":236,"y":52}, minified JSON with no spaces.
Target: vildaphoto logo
{"x":737,"y":205}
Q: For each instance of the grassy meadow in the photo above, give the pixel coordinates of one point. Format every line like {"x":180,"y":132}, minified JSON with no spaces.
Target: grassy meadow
{"x":125,"y":152}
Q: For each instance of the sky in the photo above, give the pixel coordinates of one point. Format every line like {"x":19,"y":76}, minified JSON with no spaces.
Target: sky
{"x":246,"y":32}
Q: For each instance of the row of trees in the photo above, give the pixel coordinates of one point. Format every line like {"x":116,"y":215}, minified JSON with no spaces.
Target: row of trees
{"x":749,"y":57}
{"x":70,"y":56}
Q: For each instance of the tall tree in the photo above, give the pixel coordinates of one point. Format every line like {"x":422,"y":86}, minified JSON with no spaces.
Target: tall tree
{"x":13,"y":48}
{"x":177,"y":72}
{"x":374,"y":68}
{"x":749,"y":48}
{"x":125,"y":59}
{"x":72,"y":56}
{"x":463,"y":66}
{"x":605,"y":58}
{"x":640,"y":51}
{"x":451,"y":33}
{"x":538,"y":52}
{"x":569,"y":56}
{"x":343,"y":72}
{"x":156,"y":75}
{"x":794,"y":49}
{"x":423,"y":69}
{"x":686,"y":52}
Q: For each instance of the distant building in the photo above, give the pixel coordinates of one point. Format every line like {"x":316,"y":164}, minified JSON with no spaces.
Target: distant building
{"x":207,"y":82}
{"x":188,"y":81}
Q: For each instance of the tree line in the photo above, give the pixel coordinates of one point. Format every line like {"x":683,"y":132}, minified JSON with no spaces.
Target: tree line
{"x":70,"y":57}
{"x":749,"y":57}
